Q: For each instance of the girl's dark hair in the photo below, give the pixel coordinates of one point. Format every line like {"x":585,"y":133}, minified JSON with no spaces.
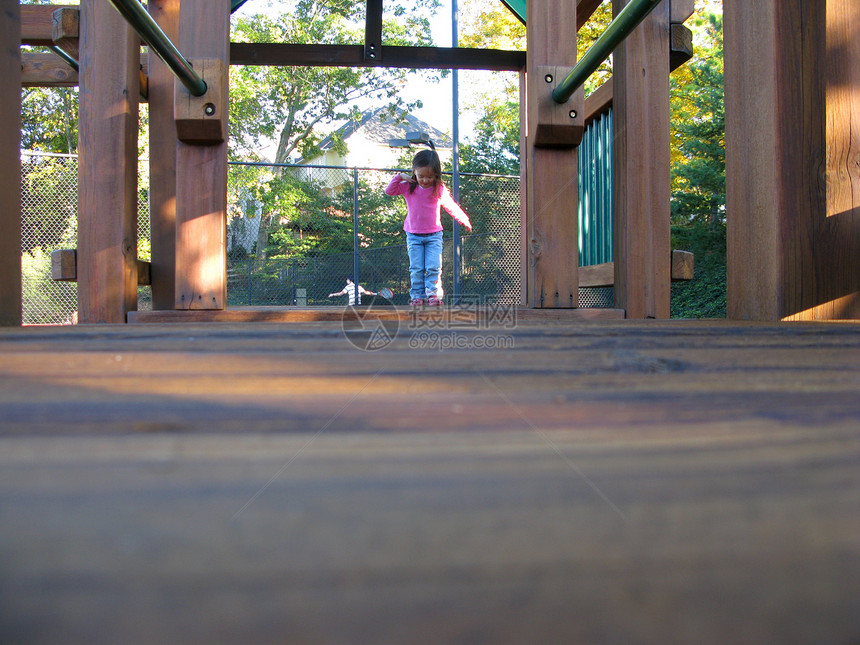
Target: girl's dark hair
{"x":426,"y":159}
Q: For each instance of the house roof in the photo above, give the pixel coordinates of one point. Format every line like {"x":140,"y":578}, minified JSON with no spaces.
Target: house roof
{"x":379,"y":126}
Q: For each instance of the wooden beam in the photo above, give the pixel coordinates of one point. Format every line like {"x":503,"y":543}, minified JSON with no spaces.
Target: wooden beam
{"x":584,"y":11}
{"x":681,"y":10}
{"x":107,"y":165}
{"x":66,"y":28}
{"x":37,"y":23}
{"x":603,"y":275}
{"x":49,"y":70}
{"x":792,"y":141}
{"x":641,"y":184}
{"x":551,"y":187}
{"x":373,"y":31}
{"x":680,"y":45}
{"x":46,"y":70}
{"x":393,"y":56}
{"x":599,"y":101}
{"x":64,"y":267}
{"x":201,"y":177}
{"x":162,"y":161}
{"x":10,"y":161}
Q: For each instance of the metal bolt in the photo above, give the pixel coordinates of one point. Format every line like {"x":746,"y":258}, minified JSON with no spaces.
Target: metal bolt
{"x":209,"y":109}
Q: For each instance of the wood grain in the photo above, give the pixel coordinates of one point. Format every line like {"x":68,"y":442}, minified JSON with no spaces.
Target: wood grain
{"x":552,"y":175}
{"x":641,"y":184}
{"x":793,"y":184}
{"x":201,"y":178}
{"x":628,"y":481}
{"x":107,"y":165}
{"x":10,"y":161}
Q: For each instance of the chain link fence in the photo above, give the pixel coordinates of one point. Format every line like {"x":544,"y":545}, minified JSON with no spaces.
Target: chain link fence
{"x":292,"y":237}
{"x":295,"y":233}
{"x":49,"y":221}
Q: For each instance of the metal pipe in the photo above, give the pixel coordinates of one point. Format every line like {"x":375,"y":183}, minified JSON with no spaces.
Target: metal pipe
{"x":235,"y":4}
{"x":457,"y":246}
{"x":621,"y":27}
{"x":66,"y":57}
{"x":151,"y":34}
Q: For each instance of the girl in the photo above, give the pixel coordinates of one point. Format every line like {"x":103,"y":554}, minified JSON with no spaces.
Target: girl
{"x":425,"y":193}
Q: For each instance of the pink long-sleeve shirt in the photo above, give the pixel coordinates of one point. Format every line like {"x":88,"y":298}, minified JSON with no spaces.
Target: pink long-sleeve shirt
{"x":423,"y":207}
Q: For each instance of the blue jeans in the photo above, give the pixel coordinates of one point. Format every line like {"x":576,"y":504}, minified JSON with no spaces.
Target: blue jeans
{"x":425,"y":263}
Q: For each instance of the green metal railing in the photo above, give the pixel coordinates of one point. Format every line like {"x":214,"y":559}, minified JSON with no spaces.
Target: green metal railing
{"x":66,"y":57}
{"x":595,"y":192}
{"x":621,"y":27}
{"x":152,"y":35}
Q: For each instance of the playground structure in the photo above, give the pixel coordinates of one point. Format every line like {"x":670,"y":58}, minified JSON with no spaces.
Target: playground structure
{"x":793,"y":182}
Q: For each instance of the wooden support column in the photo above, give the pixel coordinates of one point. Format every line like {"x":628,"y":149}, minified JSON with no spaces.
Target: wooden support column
{"x":10,"y":161}
{"x":552,"y":236}
{"x":107,"y":165}
{"x":162,"y":164}
{"x":201,"y":170}
{"x":642,"y":247}
{"x":792,"y":82}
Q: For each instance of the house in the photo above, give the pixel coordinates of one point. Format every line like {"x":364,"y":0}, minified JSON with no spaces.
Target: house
{"x":369,"y":140}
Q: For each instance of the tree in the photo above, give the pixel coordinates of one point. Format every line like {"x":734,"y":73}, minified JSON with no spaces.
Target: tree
{"x":290,"y":105}
{"x":698,"y":129}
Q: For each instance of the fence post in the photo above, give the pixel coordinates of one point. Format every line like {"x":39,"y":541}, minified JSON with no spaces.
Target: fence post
{"x":355,"y":275}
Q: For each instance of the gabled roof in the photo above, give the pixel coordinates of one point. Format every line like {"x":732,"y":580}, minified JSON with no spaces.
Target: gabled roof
{"x":379,"y":126}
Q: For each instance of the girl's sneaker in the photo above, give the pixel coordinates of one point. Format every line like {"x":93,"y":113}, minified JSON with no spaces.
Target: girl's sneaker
{"x":417,"y":302}
{"x":434,"y":301}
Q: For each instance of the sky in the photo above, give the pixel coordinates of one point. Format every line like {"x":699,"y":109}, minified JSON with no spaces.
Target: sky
{"x":436,"y":97}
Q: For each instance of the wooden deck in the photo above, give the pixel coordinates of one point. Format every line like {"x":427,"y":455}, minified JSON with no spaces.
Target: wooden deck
{"x":505,"y":481}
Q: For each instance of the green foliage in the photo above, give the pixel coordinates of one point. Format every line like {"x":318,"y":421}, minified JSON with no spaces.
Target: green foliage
{"x":705,"y":295}
{"x":291,"y":104}
{"x":698,"y":130}
{"x":495,"y":147}
{"x":49,"y":119}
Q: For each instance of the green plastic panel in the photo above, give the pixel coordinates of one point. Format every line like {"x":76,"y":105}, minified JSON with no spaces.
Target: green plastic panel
{"x":517,"y":7}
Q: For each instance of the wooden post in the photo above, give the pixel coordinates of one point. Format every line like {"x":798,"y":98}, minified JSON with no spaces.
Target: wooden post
{"x":792,"y":75}
{"x":552,"y":233}
{"x":107,"y":165}
{"x":201,"y":172}
{"x":10,"y":161}
{"x":641,"y":110}
{"x":162,"y":162}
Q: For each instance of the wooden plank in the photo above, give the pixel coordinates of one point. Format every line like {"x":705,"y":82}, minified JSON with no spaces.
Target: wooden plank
{"x":107,"y":165}
{"x":64,"y":267}
{"x":552,"y":186}
{"x":641,"y":185}
{"x":393,"y":56}
{"x":584,"y":11}
{"x":10,"y":161}
{"x":373,"y":31}
{"x":37,"y":24}
{"x":201,"y":178}
{"x":66,"y":30}
{"x":599,"y":101}
{"x":794,"y":241}
{"x":681,"y":10}
{"x":683,"y":265}
{"x":680,"y":45}
{"x":162,"y":164}
{"x":46,"y":70}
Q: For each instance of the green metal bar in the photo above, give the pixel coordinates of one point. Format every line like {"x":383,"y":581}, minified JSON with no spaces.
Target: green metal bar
{"x":151,"y":34}
{"x":518,"y":8}
{"x":65,"y":56}
{"x":235,"y":4}
{"x":624,"y":23}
